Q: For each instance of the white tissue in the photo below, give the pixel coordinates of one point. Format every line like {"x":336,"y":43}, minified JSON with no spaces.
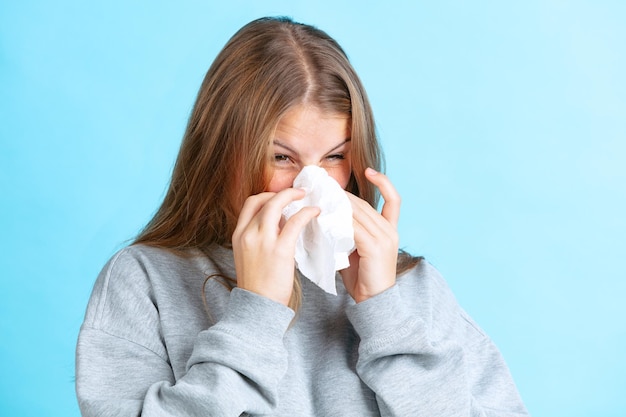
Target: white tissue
{"x":325,"y":243}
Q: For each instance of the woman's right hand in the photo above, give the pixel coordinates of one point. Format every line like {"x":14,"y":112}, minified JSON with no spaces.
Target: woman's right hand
{"x":264,"y":244}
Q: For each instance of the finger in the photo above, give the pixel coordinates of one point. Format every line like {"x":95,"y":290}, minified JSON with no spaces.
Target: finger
{"x":391,"y":207}
{"x":364,"y":214}
{"x":272,"y":211}
{"x":296,"y":223}
{"x":251,"y":207}
{"x":375,"y":244}
{"x":255,"y":203}
{"x":362,"y":208}
{"x":371,"y":220}
{"x":369,"y":233}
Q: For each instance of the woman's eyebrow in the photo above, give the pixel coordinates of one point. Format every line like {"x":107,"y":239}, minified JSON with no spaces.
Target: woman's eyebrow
{"x":282,"y":145}
{"x":339,"y":145}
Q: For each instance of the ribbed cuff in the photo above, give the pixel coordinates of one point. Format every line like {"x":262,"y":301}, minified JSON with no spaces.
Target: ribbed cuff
{"x":251,"y":312}
{"x":382,"y":320}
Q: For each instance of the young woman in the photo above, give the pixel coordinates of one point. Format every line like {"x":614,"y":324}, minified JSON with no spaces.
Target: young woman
{"x":204,"y":316}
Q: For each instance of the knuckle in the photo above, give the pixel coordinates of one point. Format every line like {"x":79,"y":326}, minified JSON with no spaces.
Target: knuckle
{"x":248,"y":241}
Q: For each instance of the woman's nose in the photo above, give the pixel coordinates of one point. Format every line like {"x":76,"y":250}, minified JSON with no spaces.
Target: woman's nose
{"x":305,"y":164}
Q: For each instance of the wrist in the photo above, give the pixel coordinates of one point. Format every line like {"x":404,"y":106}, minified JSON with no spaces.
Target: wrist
{"x":365,"y":294}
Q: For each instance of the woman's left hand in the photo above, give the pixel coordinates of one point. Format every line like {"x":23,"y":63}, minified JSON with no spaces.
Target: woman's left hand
{"x":372,"y":267}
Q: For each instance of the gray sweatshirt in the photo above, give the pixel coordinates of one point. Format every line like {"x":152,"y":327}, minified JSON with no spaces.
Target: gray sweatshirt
{"x":148,"y":346}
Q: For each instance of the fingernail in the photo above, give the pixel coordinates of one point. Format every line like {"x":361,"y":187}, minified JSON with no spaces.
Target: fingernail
{"x":370,"y":171}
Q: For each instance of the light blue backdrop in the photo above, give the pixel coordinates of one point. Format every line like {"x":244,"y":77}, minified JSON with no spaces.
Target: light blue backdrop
{"x":504,"y":125}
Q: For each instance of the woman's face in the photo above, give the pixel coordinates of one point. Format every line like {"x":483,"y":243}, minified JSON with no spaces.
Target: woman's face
{"x":307,"y":136}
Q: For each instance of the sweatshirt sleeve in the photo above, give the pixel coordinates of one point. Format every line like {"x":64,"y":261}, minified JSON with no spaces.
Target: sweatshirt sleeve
{"x":422,"y":355}
{"x":122,"y":367}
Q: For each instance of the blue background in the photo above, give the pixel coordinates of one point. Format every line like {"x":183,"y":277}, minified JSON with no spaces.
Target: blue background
{"x":504,"y":125}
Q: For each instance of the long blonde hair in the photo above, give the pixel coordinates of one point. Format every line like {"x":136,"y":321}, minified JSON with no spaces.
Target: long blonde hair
{"x":268,"y":67}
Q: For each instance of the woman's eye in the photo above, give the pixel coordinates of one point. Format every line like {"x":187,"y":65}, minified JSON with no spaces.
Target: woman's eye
{"x":281,"y":158}
{"x":337,"y":156}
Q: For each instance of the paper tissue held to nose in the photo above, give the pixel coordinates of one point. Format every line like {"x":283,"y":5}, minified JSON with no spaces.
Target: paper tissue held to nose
{"x":325,"y":243}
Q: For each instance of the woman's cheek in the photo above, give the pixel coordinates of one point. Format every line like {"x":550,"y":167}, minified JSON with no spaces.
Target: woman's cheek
{"x":281,"y":180}
{"x":341,"y":175}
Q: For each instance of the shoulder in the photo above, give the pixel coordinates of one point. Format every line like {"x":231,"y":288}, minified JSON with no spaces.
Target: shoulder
{"x":425,"y":289}
{"x":424,"y":280}
{"x":145,"y":257}
{"x":142,"y":287}
{"x":135,"y":275}
{"x":139,"y":263}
